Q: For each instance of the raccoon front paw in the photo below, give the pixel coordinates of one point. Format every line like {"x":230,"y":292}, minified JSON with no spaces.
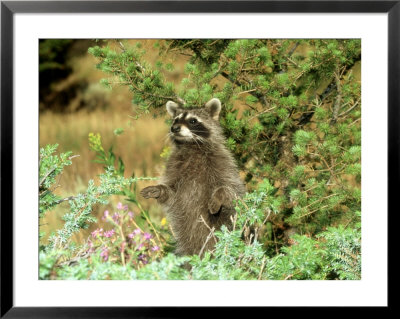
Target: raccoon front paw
{"x":151,"y":192}
{"x":218,"y":199}
{"x":214,"y":207}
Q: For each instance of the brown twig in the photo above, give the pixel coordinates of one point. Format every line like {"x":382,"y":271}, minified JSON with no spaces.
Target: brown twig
{"x":47,"y":175}
{"x":211,"y":234}
{"x":315,"y":210}
{"x":321,"y":199}
{"x":66,"y":199}
{"x":265,"y":111}
{"x":262,"y":268}
{"x":338,"y":99}
{"x":326,"y":164}
{"x":276,"y":245}
{"x":350,"y":109}
{"x":209,"y":228}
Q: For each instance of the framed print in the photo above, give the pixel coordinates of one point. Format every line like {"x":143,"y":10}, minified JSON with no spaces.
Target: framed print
{"x":164,"y":155}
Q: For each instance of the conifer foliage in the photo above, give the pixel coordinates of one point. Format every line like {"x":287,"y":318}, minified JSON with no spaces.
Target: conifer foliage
{"x":292,"y":118}
{"x":300,"y":121}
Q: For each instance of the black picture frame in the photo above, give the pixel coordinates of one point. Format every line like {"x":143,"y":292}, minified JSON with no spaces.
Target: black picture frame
{"x":9,"y":8}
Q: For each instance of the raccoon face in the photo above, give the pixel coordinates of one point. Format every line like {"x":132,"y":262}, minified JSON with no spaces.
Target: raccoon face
{"x":194,"y":125}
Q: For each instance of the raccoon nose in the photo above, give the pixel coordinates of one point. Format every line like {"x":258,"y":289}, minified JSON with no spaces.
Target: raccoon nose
{"x":175,"y":128}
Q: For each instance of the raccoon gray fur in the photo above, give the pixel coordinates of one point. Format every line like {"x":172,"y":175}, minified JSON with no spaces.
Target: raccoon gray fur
{"x":200,"y":180}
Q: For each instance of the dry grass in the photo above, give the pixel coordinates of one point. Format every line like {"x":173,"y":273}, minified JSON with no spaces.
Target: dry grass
{"x":139,"y":146}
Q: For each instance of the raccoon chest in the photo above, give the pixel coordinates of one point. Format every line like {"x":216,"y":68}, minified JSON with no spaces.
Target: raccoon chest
{"x":192,"y":182}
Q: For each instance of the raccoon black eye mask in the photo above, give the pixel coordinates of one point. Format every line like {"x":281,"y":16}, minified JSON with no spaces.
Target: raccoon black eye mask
{"x":188,"y":125}
{"x":201,"y":179}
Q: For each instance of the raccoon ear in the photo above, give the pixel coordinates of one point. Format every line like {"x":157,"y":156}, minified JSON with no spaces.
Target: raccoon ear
{"x":214,"y":107}
{"x":172,"y":108}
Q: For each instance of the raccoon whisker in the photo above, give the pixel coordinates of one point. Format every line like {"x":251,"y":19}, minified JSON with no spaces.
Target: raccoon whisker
{"x":196,"y":132}
{"x":195,"y":140}
{"x":198,"y":138}
{"x":204,"y":141}
{"x":167,"y":137}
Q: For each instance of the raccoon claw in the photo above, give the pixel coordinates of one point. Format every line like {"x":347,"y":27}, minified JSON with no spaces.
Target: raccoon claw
{"x":150,"y":192}
{"x":214,"y":208}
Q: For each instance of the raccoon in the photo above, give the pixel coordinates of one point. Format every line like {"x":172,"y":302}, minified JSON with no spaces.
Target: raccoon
{"x":201,"y":179}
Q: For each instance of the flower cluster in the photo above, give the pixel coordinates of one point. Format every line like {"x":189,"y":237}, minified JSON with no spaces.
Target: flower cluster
{"x":95,"y":142}
{"x":125,"y":242}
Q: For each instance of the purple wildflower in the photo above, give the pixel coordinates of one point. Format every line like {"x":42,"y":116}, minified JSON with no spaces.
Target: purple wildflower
{"x":91,"y":246}
{"x":106,"y":213}
{"x":146,"y":236}
{"x":104,"y":253}
{"x":97,"y":232}
{"x":143,"y":259}
{"x":155,"y":248}
{"x":109,"y":233}
{"x":122,"y":207}
{"x":123,"y":244}
{"x":134,"y":233}
{"x":116,"y":217}
{"x":130,"y":214}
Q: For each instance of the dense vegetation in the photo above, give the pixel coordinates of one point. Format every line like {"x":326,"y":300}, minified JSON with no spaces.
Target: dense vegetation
{"x":291,"y":115}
